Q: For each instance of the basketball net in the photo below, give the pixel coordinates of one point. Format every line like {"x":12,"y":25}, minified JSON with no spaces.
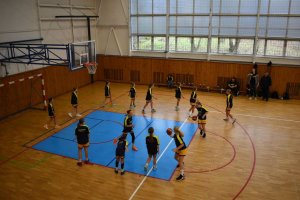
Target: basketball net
{"x":91,"y":67}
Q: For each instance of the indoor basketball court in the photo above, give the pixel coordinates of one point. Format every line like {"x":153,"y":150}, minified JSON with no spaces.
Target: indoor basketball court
{"x":83,"y":82}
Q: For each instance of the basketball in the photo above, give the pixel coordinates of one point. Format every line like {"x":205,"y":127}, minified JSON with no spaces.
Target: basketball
{"x":169,"y":131}
{"x":194,"y":118}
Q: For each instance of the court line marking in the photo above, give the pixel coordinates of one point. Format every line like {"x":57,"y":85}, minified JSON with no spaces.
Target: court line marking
{"x":145,"y":177}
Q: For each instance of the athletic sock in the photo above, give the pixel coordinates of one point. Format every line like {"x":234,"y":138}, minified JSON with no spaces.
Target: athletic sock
{"x":182,"y":172}
{"x":117,"y":164}
{"x":122,"y":166}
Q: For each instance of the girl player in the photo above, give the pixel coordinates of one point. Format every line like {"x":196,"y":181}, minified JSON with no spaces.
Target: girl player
{"x":178,"y":95}
{"x":120,"y":153}
{"x":128,"y":127}
{"x":229,"y":104}
{"x":132,"y":93}
{"x":180,"y":150}
{"x":82,"y":133}
{"x":107,"y":93}
{"x":149,"y":97}
{"x":51,"y":114}
{"x":202,"y":112}
{"x":74,"y":102}
{"x":152,"y":143}
{"x":193,"y":100}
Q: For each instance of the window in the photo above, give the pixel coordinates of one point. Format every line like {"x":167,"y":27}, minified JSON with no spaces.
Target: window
{"x":272,"y":27}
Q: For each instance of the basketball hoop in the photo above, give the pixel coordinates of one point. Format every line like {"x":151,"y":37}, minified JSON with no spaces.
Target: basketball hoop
{"x":92,"y":68}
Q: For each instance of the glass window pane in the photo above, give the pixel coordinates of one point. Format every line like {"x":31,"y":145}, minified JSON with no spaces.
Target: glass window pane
{"x":279,"y":7}
{"x":228,"y":26}
{"x":159,"y":7}
{"x":262,"y":26}
{"x":200,"y":45}
{"x":294,"y":27}
{"x":144,"y":42}
{"x":134,"y":42}
{"x":159,"y":43}
{"x":275,"y":47}
{"x":264,"y":6}
{"x":184,"y":44}
{"x":172,"y":43}
{"x":245,"y":46}
{"x":230,"y":6}
{"x":277,"y":26}
{"x":202,"y":6}
{"x":185,"y":25}
{"x":293,"y":49}
{"x":173,"y":6}
{"x":214,"y":45}
{"x":227,"y":45}
{"x":216,"y":6}
{"x":247,"y":26}
{"x":145,"y":7}
{"x":295,"y":7}
{"x":249,"y":6}
{"x":159,"y":25}
{"x":133,"y":25}
{"x":133,"y":6}
{"x":185,"y":6}
{"x":145,"y":25}
{"x":201,"y":25}
{"x":260,"y":47}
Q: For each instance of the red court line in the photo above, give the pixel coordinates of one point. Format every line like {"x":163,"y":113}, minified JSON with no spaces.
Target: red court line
{"x":223,"y":166}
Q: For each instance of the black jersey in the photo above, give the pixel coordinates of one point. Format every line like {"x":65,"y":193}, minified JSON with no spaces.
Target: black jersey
{"x":51,"y":111}
{"x":201,"y":113}
{"x":178,"y":141}
{"x":127,"y":124}
{"x":132,"y":92}
{"x":82,"y":133}
{"x":178,"y":93}
{"x":74,"y":99}
{"x":121,"y":147}
{"x":193,"y":97}
{"x":149,"y":94}
{"x":229,"y":101}
{"x":107,"y":91}
{"x":152,"y":144}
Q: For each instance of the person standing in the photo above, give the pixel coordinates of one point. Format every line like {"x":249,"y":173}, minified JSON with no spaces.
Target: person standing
{"x":132,"y":94}
{"x":265,"y":83}
{"x":193,"y":100}
{"x":107,"y":93}
{"x":253,"y":81}
{"x":202,"y":113}
{"x":229,"y":105}
{"x":152,"y":143}
{"x":128,"y":128}
{"x":51,"y":114}
{"x":149,"y":99}
{"x":234,"y":86}
{"x":178,"y":95}
{"x":170,"y":80}
{"x":82,"y":133}
{"x":74,"y":103}
{"x":120,"y":153}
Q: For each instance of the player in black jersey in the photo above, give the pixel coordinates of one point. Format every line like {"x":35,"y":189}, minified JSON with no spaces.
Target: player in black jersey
{"x":229,"y":105}
{"x":193,"y":100}
{"x":178,"y":95}
{"x":149,"y":99}
{"x":202,"y":113}
{"x":107,"y":93}
{"x":180,"y":150}
{"x":51,"y":114}
{"x":132,"y":94}
{"x":120,"y":153}
{"x":128,"y":128}
{"x":74,"y":103}
{"x":82,"y":133}
{"x":152,"y":143}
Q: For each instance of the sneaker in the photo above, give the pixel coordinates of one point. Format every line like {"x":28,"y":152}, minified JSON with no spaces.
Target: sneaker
{"x":116,"y":171}
{"x":134,"y":148}
{"x":201,"y":132}
{"x":134,"y":105}
{"x":177,"y":108}
{"x":79,"y":164}
{"x":204,"y":135}
{"x":234,"y":120}
{"x":226,"y":119}
{"x":46,"y":126}
{"x":180,"y":177}
{"x":70,"y":114}
{"x":153,"y":110}
{"x":78,"y":115}
{"x":154,"y":167}
{"x":146,"y":168}
{"x":122,"y":172}
{"x":87,"y":162}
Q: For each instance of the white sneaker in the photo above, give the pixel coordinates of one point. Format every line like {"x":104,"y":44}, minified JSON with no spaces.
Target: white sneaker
{"x":78,"y":115}
{"x":154,"y":168}
{"x":70,"y":114}
{"x":145,"y":168}
{"x":250,"y":98}
{"x":46,"y":126}
{"x":153,"y":110}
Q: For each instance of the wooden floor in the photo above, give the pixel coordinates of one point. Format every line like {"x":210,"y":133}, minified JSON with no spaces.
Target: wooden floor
{"x":258,"y":158}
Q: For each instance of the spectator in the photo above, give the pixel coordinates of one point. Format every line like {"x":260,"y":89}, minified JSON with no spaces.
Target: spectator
{"x":265,"y":83}
{"x":253,"y":81}
{"x":234,"y":86}
{"x":170,"y":80}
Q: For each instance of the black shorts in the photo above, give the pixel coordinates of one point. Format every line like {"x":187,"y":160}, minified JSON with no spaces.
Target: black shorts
{"x":127,"y":129}
{"x":192,"y":100}
{"x":152,"y":152}
{"x":120,"y":153}
{"x":178,"y":97}
{"x":132,"y":96}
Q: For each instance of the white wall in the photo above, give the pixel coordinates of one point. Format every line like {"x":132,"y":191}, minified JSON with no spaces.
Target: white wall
{"x":30,"y":19}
